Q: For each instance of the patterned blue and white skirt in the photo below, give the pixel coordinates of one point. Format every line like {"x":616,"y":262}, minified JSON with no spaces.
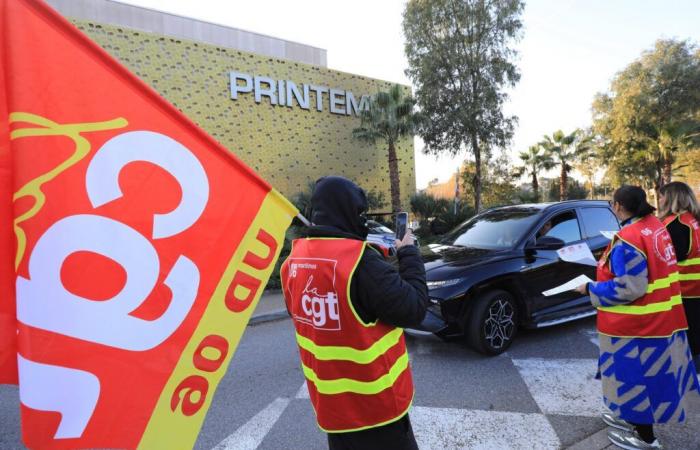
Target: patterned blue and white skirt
{"x":647,"y":380}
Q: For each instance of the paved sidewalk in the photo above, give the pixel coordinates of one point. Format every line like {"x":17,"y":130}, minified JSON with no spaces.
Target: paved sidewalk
{"x":685,"y":436}
{"x":597,"y":441}
{"x":270,"y":307}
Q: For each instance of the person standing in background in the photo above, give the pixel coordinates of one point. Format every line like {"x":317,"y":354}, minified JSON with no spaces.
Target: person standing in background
{"x":680,"y":213}
{"x":645,"y":363}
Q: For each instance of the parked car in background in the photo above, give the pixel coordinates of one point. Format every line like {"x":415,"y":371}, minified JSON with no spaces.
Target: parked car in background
{"x":486,"y":277}
{"x":382,"y":238}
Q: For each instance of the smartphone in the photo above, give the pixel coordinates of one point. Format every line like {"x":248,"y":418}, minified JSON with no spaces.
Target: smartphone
{"x":400,"y":225}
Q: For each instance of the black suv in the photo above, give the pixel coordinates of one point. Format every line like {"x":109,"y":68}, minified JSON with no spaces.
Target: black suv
{"x":486,"y":277}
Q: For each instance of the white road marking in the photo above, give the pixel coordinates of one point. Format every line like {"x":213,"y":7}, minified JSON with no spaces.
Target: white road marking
{"x":563,"y":386}
{"x":592,"y":336}
{"x":449,"y":428}
{"x":303,"y":391}
{"x":559,"y":386}
{"x":251,"y":434}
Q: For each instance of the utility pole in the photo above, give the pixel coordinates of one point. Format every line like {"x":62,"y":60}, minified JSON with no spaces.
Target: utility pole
{"x":456,"y":191}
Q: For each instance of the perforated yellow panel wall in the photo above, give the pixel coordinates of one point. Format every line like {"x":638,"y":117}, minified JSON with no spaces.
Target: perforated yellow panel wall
{"x":286,"y":146}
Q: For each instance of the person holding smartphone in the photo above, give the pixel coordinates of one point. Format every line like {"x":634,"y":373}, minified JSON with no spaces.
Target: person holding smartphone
{"x":349,"y":308}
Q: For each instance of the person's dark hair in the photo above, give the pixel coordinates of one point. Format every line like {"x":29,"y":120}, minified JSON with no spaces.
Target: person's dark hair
{"x":634,"y":200}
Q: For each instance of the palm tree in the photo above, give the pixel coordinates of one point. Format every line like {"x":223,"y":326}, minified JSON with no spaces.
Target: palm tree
{"x":426,"y":206}
{"x":590,"y":160}
{"x":565,"y":149}
{"x":302,"y":199}
{"x":674,"y":138}
{"x":535,"y":159}
{"x":390,"y":116}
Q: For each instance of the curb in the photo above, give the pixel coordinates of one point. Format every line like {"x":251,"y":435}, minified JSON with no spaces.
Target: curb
{"x":596,"y":441}
{"x":268,"y":317}
{"x":272,"y":291}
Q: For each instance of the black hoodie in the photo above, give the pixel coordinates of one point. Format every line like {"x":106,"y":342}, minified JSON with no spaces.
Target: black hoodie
{"x":377,"y":290}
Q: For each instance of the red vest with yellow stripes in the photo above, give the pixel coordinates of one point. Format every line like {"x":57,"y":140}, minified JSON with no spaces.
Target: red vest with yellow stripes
{"x":660,"y":311}
{"x":689,"y":269}
{"x":357,"y":374}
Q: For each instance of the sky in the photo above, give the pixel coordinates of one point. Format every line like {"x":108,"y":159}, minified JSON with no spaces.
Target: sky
{"x":569,"y":51}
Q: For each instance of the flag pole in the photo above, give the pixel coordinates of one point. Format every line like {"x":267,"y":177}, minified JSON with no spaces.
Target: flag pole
{"x":304,"y":220}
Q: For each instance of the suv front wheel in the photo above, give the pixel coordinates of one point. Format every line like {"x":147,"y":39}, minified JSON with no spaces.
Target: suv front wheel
{"x":492,"y":323}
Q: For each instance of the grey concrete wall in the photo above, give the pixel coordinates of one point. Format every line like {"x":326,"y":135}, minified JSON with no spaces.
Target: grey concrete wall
{"x":138,"y":18}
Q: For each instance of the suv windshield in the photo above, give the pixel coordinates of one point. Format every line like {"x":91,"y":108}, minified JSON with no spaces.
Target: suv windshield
{"x":496,"y":229}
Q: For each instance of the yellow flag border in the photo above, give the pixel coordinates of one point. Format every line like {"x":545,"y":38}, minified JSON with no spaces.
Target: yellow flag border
{"x":172,"y":429}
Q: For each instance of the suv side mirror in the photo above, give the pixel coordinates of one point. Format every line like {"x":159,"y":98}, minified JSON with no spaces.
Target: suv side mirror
{"x":547,"y":243}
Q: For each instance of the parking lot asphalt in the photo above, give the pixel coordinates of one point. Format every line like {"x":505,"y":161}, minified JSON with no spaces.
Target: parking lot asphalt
{"x":540,"y":394}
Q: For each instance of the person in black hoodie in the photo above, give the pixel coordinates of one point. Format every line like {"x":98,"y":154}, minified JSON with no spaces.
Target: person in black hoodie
{"x":383,"y":300}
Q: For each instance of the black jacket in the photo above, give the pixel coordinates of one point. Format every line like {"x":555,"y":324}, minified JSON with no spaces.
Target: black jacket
{"x":377,"y":290}
{"x":680,"y":235}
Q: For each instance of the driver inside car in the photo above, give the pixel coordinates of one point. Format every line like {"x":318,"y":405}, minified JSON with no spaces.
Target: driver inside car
{"x":545,"y":229}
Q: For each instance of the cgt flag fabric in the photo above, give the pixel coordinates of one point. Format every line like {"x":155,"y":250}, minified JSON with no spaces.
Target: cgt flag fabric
{"x":8,"y":323}
{"x":138,"y":246}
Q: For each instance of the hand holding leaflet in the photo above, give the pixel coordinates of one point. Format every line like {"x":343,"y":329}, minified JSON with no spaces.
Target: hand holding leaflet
{"x":577,"y":253}
{"x":568,"y":286}
{"x":608,"y":234}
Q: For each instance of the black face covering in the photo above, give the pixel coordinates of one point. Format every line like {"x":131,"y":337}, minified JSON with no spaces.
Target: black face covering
{"x":339,"y":203}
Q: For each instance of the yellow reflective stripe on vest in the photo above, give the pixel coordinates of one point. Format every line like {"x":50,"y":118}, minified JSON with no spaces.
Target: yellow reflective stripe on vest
{"x":341,"y":385}
{"x":644,"y":309}
{"x":690,"y":277}
{"x":689,"y":262}
{"x":329,"y":352}
{"x":663,"y":283}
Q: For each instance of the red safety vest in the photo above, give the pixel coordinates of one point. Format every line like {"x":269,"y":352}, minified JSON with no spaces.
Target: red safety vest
{"x":357,"y":374}
{"x":689,"y":269}
{"x":659,"y":312}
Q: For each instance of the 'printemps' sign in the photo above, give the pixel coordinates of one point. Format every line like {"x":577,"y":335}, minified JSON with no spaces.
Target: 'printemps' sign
{"x":286,"y":93}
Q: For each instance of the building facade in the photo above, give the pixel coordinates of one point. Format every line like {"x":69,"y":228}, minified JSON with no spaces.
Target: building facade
{"x":271,"y":102}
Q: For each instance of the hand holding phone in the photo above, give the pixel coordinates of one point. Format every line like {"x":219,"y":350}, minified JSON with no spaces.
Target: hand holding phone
{"x":400,"y":225}
{"x":408,"y":239}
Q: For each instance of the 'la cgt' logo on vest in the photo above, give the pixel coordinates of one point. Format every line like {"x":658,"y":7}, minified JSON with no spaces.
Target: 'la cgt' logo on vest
{"x":321,"y":311}
{"x":663,"y":246}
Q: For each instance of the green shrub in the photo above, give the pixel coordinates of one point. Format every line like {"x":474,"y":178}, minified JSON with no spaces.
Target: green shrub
{"x":292,"y":233}
{"x":449,"y":220}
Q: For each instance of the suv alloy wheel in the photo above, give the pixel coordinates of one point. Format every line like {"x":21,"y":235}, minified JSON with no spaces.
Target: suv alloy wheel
{"x":492,"y":323}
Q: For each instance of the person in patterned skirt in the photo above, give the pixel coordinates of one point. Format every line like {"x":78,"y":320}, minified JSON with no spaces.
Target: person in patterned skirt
{"x":645,"y":363}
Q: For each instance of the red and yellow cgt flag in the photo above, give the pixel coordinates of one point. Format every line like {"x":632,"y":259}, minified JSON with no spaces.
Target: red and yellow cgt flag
{"x":133,"y":247}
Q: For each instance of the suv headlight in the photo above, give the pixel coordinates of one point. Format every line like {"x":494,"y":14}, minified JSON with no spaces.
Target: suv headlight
{"x":443,"y":283}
